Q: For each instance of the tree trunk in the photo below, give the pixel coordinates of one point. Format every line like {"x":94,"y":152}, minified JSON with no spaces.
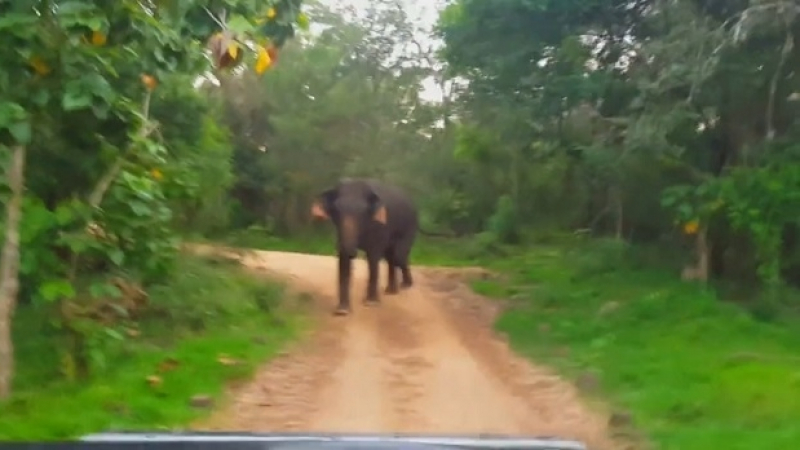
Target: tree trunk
{"x":700,"y":270}
{"x":9,"y":267}
{"x":703,"y":252}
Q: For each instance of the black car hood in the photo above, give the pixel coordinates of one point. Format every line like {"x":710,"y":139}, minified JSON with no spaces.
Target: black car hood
{"x":323,"y":441}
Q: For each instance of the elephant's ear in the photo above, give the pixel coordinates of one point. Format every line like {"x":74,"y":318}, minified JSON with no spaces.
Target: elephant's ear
{"x":323,"y":205}
{"x":376,"y":207}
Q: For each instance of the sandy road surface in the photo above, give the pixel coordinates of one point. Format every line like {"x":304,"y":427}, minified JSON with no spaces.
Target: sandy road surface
{"x":425,"y":361}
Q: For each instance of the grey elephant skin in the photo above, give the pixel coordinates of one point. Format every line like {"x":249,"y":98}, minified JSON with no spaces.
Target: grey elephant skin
{"x":377,"y":218}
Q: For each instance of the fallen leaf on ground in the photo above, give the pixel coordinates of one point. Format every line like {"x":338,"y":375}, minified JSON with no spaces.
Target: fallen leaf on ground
{"x":168,"y":364}
{"x":226,"y":360}
{"x":154,"y":380}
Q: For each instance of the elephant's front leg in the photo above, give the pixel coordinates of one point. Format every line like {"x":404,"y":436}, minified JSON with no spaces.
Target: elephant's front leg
{"x":373,"y":258}
{"x":345,"y":268}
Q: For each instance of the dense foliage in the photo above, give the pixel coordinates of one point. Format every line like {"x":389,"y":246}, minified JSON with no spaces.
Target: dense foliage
{"x":637,"y":119}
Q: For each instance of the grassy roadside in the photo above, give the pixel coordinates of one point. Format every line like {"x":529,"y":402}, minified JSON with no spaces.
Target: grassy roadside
{"x":693,"y":372}
{"x":214,"y":313}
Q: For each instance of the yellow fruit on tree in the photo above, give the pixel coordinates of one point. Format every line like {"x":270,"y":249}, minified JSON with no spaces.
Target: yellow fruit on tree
{"x":691,"y":227}
{"x":263,"y":61}
{"x":156,"y":174}
{"x":39,"y":66}
{"x":98,"y":38}
{"x":271,"y":13}
{"x":149,"y":81}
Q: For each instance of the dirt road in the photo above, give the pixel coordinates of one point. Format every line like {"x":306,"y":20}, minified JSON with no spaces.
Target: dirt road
{"x":425,"y":361}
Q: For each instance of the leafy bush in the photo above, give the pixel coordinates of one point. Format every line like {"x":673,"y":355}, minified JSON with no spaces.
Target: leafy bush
{"x":206,"y":312}
{"x":598,"y":256}
{"x":503,"y":224}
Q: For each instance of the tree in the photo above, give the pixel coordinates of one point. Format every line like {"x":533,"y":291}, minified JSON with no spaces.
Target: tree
{"x":87,"y":64}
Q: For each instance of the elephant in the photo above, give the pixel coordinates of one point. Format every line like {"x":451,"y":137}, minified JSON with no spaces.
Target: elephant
{"x":377,"y":218}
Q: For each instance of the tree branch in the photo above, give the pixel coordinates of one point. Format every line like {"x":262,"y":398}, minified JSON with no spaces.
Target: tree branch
{"x":145,"y":130}
{"x":788,"y":46}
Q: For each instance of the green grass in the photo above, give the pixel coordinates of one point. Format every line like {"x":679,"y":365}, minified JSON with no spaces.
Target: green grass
{"x":210,"y":309}
{"x":694,"y":372}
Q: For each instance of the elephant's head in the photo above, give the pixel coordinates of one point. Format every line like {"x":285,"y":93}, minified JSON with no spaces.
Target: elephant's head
{"x":351,"y":206}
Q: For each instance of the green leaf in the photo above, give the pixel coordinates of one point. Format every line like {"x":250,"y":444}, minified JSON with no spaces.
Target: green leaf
{"x":11,"y":113}
{"x":40,"y":97}
{"x":240,"y":25}
{"x":100,"y":110}
{"x":21,"y":131}
{"x":104,"y":289}
{"x":74,"y":8}
{"x":74,"y":100}
{"x":116,"y":256}
{"x":79,"y":13}
{"x":18,"y":24}
{"x":114,"y":334}
{"x":303,"y":22}
{"x":113,"y":291}
{"x":54,"y":290}
{"x":64,"y":214}
{"x":84,"y":93}
{"x":140,"y":208}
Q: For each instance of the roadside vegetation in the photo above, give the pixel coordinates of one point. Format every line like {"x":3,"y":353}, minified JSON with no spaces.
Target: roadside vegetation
{"x":679,"y":364}
{"x":109,"y":157}
{"x":209,"y":325}
{"x":632,"y":169}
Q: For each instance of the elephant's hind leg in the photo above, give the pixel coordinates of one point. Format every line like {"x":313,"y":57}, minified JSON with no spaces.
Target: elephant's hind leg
{"x":402,"y":252}
{"x":391,"y":287}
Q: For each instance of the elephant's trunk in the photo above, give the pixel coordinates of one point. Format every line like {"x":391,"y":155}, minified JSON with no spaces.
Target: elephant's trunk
{"x":348,"y":236}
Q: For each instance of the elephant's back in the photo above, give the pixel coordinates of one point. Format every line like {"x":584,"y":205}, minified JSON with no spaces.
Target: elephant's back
{"x":401,"y":209}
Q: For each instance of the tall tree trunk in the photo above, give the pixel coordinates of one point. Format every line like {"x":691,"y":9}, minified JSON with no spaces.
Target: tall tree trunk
{"x":699,"y":271}
{"x":9,"y":267}
{"x":703,"y":253}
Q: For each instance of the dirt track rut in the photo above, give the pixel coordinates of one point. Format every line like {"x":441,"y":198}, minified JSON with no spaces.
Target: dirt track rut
{"x":424,"y":361}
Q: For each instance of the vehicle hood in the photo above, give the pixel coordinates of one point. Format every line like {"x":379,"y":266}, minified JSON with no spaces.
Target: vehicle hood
{"x":335,"y":441}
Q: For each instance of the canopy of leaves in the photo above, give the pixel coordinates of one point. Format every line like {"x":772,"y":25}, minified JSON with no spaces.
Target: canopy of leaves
{"x":640,"y":98}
